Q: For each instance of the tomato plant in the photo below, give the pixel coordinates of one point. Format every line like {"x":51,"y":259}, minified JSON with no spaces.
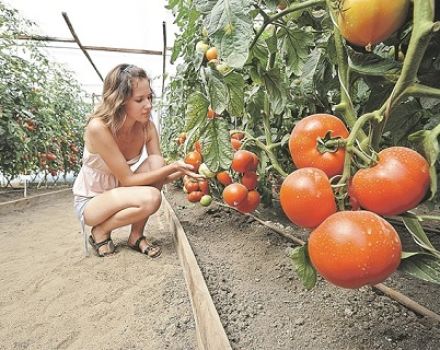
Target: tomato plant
{"x":304,"y":143}
{"x":353,"y":248}
{"x":397,"y":183}
{"x":306,"y":197}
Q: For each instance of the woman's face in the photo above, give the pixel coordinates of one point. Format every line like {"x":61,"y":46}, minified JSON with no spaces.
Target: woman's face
{"x":138,"y":106}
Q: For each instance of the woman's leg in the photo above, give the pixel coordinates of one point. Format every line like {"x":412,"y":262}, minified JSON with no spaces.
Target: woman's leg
{"x":137,"y":228}
{"x":119,"y":207}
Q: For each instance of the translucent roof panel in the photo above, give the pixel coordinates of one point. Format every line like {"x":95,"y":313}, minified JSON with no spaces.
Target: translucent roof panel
{"x":131,"y":24}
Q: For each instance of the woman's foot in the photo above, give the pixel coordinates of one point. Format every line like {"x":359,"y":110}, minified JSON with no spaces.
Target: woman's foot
{"x":101,"y":243}
{"x":141,"y":245}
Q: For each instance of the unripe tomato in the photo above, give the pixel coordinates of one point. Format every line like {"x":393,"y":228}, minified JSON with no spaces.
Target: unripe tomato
{"x":202,"y":47}
{"x":397,"y":183}
{"x":307,"y":198}
{"x":204,"y":170}
{"x":195,"y":196}
{"x":368,"y":22}
{"x":250,"y":180}
{"x":234,"y":194}
{"x":206,"y":200}
{"x":194,"y":158}
{"x":244,"y":161}
{"x":224,"y":178}
{"x":354,"y":248}
{"x":236,"y":144}
{"x":211,"y":53}
{"x":303,"y":143}
{"x":250,"y":203}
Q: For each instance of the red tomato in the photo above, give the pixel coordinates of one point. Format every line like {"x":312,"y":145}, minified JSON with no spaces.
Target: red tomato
{"x":198,"y":146}
{"x":191,"y":185}
{"x":303,"y":143}
{"x":244,"y":161}
{"x":195,"y":196}
{"x":194,"y":158}
{"x":224,"y":178}
{"x":250,"y":203}
{"x":236,"y":144}
{"x":234,"y":194}
{"x":368,"y":22}
{"x":354,"y":248}
{"x":397,"y":183}
{"x":211,"y":114}
{"x":306,"y":197}
{"x":204,"y":186}
{"x":238,"y":136}
{"x":250,"y":180}
{"x":211,"y":53}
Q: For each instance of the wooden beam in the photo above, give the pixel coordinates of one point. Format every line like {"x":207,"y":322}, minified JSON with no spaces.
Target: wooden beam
{"x":87,"y":47}
{"x":210,"y":332}
{"x":66,"y":18}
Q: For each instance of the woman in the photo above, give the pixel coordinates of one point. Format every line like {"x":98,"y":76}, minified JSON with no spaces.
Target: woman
{"x":108,"y":194}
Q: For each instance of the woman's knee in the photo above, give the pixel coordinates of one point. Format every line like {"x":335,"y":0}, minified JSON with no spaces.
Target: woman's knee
{"x":151,"y":200}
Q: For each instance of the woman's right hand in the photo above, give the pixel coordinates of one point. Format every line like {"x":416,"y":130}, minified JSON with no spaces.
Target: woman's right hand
{"x":187,"y":169}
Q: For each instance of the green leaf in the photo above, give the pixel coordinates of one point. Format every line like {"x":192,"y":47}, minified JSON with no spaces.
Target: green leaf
{"x":276,"y":89}
{"x":428,"y":141}
{"x":218,"y":91}
{"x":204,"y":6}
{"x":230,"y":27}
{"x":374,"y":65}
{"x":422,"y":266}
{"x":403,"y":119}
{"x":216,"y":145}
{"x":235,"y":83}
{"x":295,"y":44}
{"x":196,"y":110}
{"x":414,"y":227}
{"x":303,"y":267}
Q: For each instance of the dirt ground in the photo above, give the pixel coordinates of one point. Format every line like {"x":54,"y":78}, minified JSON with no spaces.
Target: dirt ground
{"x":52,"y":297}
{"x":263,"y":305}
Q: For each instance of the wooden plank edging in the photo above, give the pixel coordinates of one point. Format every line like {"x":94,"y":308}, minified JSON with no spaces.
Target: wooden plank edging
{"x":210,"y":332}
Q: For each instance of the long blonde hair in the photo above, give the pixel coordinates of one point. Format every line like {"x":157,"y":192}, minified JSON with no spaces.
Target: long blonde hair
{"x":117,"y":89}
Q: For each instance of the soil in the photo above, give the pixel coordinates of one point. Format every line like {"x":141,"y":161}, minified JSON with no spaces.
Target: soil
{"x":52,"y":297}
{"x":263,"y":305}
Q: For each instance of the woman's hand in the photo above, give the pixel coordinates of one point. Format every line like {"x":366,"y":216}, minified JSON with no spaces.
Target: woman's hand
{"x":182,"y":169}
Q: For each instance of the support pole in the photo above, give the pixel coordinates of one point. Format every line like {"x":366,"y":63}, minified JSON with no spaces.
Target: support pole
{"x":66,"y":18}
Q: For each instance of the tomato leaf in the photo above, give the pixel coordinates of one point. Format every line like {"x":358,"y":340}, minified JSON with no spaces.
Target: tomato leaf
{"x":422,"y":266}
{"x":235,"y":84}
{"x":374,"y":65}
{"x":276,"y":89}
{"x":230,"y":27}
{"x":218,"y":91}
{"x":412,"y":223}
{"x":295,"y":46}
{"x":216,"y":145}
{"x":196,"y":110}
{"x":303,"y":267}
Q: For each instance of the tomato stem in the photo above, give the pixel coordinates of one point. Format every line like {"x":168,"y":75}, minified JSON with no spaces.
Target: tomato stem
{"x":292,"y":8}
{"x":423,"y":27}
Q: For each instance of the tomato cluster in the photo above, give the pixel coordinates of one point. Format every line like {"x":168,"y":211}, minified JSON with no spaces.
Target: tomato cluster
{"x":350,"y":248}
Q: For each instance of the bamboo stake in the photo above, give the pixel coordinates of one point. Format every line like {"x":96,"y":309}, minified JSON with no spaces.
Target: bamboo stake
{"x":66,"y":18}
{"x":391,"y":293}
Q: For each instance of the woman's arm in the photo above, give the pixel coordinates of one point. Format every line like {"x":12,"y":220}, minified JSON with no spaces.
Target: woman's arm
{"x":101,"y":141}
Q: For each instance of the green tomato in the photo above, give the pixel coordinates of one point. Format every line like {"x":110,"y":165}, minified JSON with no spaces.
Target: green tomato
{"x":202,"y":47}
{"x":204,"y":170}
{"x":206,"y":200}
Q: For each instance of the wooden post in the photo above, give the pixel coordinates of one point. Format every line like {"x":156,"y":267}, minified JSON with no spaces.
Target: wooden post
{"x":66,"y":18}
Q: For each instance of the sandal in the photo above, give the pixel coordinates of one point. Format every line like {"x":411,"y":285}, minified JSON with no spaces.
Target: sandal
{"x":96,"y":246}
{"x":153,"y":251}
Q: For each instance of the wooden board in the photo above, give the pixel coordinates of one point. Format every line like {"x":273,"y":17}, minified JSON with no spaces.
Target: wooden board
{"x":210,"y":332}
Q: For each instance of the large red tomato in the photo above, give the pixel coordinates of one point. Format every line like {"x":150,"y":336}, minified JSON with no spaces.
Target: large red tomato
{"x":303,"y":143}
{"x":250,"y":203}
{"x":244,"y":161}
{"x":234,"y":194}
{"x":397,"y":183}
{"x":368,"y":22}
{"x":306,"y":197}
{"x":354,"y":248}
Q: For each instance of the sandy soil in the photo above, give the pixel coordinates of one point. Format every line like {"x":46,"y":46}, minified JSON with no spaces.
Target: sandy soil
{"x":52,"y":297}
{"x":263,"y":305}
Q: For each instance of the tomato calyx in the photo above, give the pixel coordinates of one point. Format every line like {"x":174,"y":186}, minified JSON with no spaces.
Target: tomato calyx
{"x":329,"y":144}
